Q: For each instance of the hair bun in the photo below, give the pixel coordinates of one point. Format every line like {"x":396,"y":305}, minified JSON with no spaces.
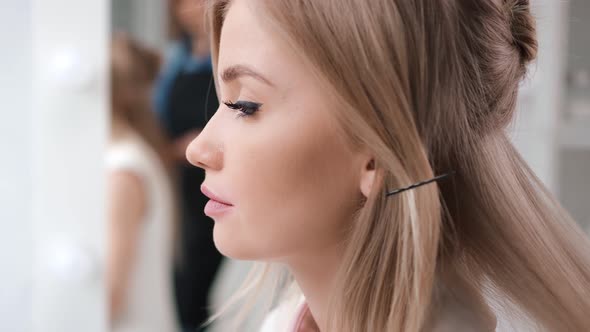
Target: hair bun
{"x":522,"y":26}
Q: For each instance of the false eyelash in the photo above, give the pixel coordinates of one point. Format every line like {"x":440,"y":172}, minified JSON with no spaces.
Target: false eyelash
{"x":245,"y":108}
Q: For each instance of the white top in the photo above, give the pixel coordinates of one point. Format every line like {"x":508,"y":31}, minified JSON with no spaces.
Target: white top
{"x":283,"y":318}
{"x":452,"y":316}
{"x":149,"y":297}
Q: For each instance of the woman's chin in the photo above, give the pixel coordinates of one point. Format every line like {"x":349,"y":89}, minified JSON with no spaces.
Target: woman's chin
{"x":232,"y":246}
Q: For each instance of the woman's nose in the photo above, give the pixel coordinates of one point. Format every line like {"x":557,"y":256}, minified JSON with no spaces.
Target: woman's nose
{"x":204,"y":153}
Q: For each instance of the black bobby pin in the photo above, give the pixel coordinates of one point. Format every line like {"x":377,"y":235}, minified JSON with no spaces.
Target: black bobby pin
{"x":418,"y":184}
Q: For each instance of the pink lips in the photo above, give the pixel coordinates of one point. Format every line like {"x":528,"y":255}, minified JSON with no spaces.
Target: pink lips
{"x":216,"y":205}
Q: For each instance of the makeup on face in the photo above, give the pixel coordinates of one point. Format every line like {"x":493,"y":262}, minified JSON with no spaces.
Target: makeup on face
{"x":245,"y":108}
{"x":279,"y":176}
{"x":216,"y":206}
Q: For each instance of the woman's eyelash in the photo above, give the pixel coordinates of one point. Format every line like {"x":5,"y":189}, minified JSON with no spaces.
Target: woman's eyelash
{"x":246,"y":108}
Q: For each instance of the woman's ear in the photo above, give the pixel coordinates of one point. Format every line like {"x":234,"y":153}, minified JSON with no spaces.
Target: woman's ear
{"x":367,"y":177}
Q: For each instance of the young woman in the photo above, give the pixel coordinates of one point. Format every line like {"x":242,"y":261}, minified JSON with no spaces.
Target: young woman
{"x":329,"y":109}
{"x":141,"y":200}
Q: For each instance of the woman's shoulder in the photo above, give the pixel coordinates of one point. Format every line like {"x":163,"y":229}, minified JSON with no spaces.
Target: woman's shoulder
{"x":130,"y":153}
{"x":451,"y":313}
{"x":457,"y":309}
{"x":126,"y":157}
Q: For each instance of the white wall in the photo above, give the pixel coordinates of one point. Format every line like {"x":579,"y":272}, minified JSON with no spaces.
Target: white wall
{"x":542,"y":99}
{"x":574,"y":173}
{"x":552,"y":131}
{"x":53,"y":129}
{"x":15,"y":184}
{"x":70,"y":112}
{"x":145,"y":20}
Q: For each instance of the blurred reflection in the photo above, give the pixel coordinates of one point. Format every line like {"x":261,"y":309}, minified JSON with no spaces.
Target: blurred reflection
{"x":184,"y":98}
{"x":141,"y":200}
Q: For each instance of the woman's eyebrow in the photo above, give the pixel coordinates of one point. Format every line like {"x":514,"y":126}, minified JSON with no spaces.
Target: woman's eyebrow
{"x":234,"y":72}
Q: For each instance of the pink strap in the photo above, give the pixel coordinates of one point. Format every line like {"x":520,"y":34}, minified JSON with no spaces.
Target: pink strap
{"x":299,"y":318}
{"x":303,"y":323}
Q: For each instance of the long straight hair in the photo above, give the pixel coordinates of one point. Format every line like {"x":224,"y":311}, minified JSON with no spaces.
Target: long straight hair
{"x":430,"y":87}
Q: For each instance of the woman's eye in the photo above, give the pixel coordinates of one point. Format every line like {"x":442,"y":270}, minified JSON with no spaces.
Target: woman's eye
{"x":245,"y":108}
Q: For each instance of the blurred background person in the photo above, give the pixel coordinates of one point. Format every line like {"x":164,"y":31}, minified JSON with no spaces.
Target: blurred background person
{"x":141,"y":198}
{"x":184,"y":99}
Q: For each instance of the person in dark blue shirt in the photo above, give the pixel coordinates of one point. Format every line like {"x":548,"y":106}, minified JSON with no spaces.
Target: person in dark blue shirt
{"x":184,"y":99}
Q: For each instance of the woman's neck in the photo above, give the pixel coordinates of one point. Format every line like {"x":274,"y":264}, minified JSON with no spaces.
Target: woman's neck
{"x":119,"y":128}
{"x":316,"y":275}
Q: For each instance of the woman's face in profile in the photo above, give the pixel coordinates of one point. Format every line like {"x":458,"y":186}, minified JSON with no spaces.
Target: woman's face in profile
{"x":275,"y":152}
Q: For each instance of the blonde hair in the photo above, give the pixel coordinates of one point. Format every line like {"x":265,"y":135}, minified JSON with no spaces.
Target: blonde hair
{"x":430,"y":87}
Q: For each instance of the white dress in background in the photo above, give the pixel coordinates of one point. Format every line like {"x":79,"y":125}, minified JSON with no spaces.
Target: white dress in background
{"x":148,"y":304}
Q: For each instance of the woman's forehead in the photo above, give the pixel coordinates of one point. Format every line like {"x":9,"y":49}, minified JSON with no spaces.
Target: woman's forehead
{"x":248,"y":46}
